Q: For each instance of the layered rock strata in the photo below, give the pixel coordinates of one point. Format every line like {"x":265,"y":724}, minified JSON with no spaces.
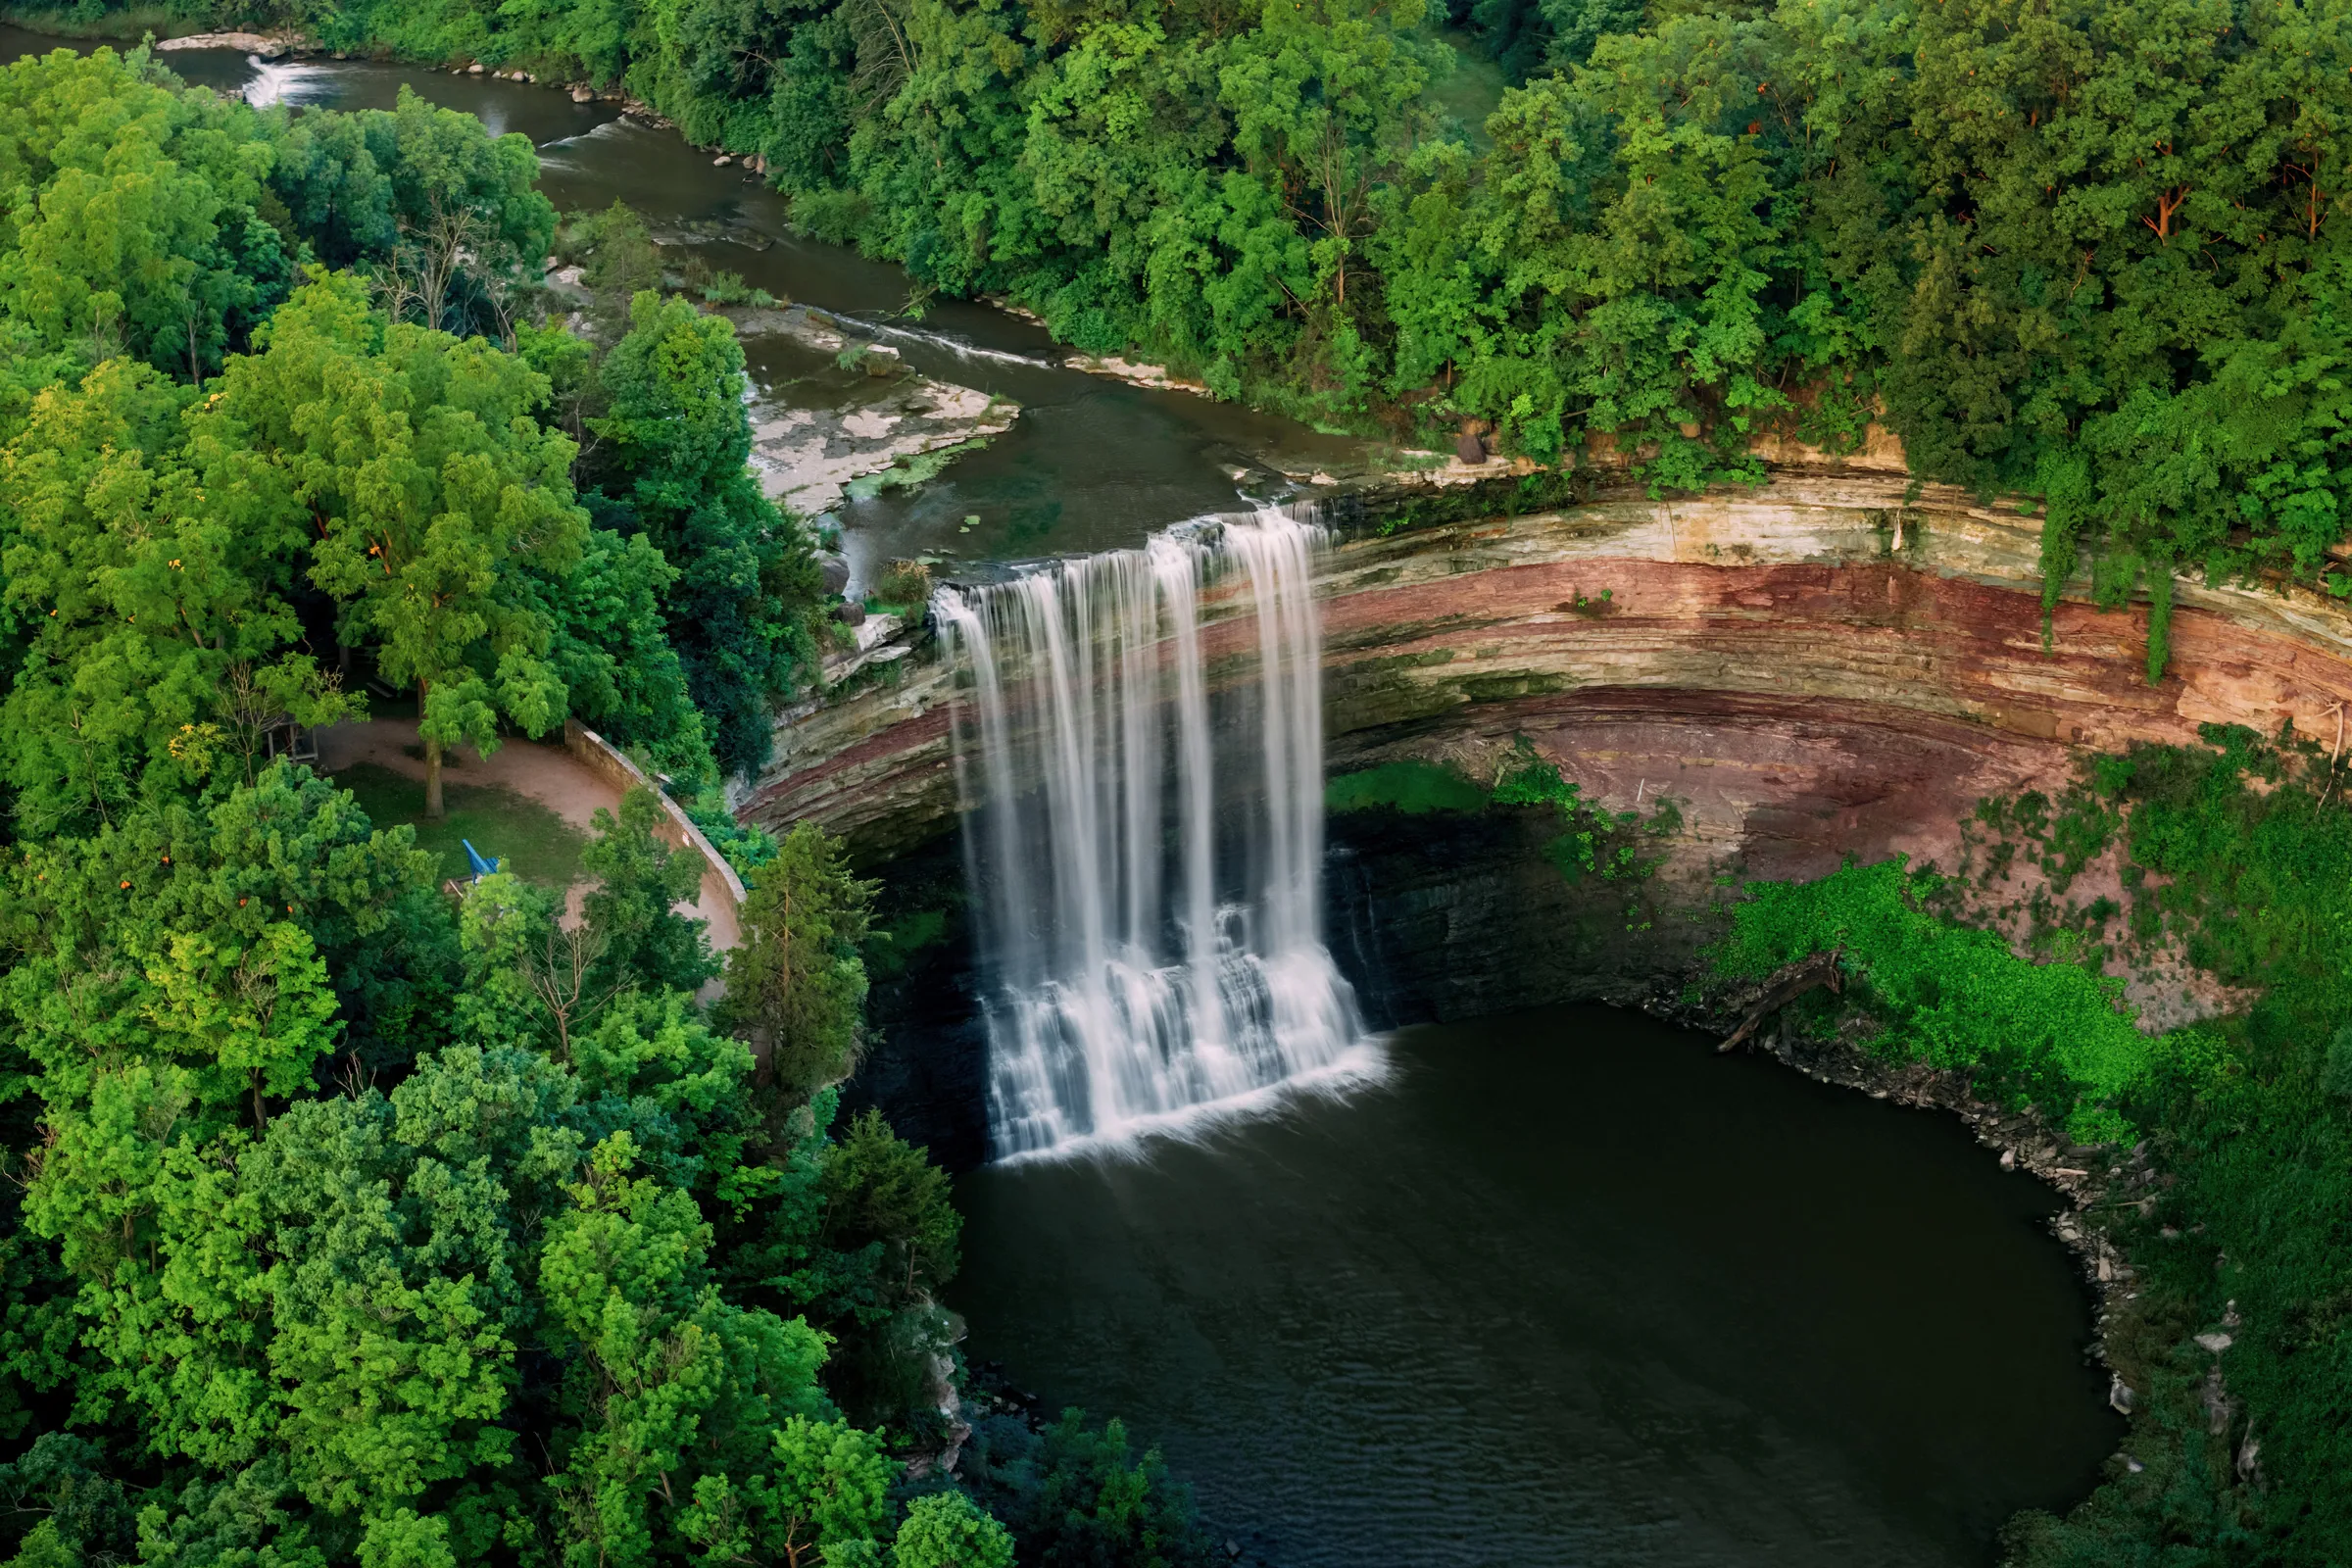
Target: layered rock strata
{"x":1813,"y":668}
{"x":1816,"y":669}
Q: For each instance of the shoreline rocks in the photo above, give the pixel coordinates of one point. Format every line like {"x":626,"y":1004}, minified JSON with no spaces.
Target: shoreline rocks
{"x":870,"y":423}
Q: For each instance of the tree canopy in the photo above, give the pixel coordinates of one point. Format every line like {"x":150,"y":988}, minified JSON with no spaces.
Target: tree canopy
{"x":349,"y":1221}
{"x":2084,"y":251}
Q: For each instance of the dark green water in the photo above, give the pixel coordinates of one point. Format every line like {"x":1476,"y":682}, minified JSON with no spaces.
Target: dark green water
{"x":1569,"y":1288}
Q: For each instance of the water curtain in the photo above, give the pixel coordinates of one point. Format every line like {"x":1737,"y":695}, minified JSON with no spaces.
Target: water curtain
{"x":1145,"y":826}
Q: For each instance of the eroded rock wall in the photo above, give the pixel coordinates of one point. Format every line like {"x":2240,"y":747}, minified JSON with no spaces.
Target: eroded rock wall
{"x":1816,"y":667}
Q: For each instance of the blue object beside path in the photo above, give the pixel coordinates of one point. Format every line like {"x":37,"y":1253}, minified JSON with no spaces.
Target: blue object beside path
{"x":481,"y":867}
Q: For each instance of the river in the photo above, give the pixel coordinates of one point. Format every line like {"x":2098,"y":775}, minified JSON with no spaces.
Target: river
{"x":1564,"y":1287}
{"x":1090,"y":463}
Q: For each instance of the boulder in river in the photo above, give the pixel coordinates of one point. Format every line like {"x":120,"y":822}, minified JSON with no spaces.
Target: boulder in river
{"x":252,"y":43}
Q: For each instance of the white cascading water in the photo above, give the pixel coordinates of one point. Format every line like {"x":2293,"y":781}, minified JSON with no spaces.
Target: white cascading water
{"x":1150,"y":873}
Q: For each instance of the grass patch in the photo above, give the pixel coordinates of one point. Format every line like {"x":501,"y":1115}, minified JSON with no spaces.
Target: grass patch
{"x":889,"y":949}
{"x":534,"y":843}
{"x":1410,"y":787}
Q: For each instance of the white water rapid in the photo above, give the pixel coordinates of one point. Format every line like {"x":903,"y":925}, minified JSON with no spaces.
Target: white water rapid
{"x":1146,"y":849}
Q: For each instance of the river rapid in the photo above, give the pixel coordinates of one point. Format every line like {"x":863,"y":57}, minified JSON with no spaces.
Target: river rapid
{"x":1562,"y":1286}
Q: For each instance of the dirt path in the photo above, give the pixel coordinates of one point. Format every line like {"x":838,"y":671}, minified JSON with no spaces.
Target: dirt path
{"x":548,"y":775}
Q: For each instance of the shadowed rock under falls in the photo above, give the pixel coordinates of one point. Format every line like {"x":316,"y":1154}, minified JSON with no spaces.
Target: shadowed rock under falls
{"x":1146,"y":850}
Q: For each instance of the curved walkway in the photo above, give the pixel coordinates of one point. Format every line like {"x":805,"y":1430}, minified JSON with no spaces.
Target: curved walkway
{"x":536,"y":771}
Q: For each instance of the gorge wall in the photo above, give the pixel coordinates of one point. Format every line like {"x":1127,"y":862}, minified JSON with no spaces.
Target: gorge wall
{"x":1813,"y":668}
{"x":1823,"y":666}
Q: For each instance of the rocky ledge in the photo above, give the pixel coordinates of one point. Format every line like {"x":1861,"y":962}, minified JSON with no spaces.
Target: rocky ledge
{"x":1821,"y":666}
{"x":853,"y":415}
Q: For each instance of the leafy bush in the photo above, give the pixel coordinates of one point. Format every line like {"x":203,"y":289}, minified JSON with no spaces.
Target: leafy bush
{"x":1077,"y":1497}
{"x":2052,"y":1035}
{"x":1410,"y":787}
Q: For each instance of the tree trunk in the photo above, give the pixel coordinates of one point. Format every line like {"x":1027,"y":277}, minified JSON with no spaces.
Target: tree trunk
{"x":1792,"y":982}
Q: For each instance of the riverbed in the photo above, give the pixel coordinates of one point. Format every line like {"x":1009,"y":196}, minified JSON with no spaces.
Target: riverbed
{"x":1568,"y":1288}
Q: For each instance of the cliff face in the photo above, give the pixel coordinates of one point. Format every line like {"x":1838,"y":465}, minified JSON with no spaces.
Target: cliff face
{"x":1812,"y":669}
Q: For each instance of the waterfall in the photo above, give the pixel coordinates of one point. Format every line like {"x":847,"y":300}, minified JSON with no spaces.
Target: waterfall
{"x":1147,"y":842}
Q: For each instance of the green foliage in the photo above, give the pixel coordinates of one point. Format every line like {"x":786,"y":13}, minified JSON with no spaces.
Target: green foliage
{"x":347,"y":1222}
{"x":443,"y":218}
{"x":160,"y":631}
{"x":1412,"y":787}
{"x":947,"y":1530}
{"x":2336,"y":1074}
{"x":2231,"y":856}
{"x":676,"y":441}
{"x":2050,"y":1034}
{"x":138,"y":216}
{"x":889,"y":949}
{"x":429,"y":481}
{"x":2094,"y":255}
{"x":617,"y":262}
{"x":1591,"y":840}
{"x":795,"y":985}
{"x":639,"y":880}
{"x":611,"y":648}
{"x":747,"y":846}
{"x":886,"y":1202}
{"x":1074,"y":1494}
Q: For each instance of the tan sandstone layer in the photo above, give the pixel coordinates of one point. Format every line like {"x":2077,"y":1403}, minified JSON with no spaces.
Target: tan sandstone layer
{"x":1813,"y":668}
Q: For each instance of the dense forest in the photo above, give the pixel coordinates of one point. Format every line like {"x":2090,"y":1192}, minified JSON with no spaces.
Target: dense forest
{"x":2080,"y":251}
{"x":348,"y":1222}
{"x":345,"y":1220}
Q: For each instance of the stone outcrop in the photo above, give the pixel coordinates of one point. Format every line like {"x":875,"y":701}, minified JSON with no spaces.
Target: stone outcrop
{"x":1815,"y":668}
{"x":267,"y":45}
{"x":836,"y":425}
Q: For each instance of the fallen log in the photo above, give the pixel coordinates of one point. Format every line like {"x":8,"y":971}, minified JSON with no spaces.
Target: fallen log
{"x":1784,"y":986}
